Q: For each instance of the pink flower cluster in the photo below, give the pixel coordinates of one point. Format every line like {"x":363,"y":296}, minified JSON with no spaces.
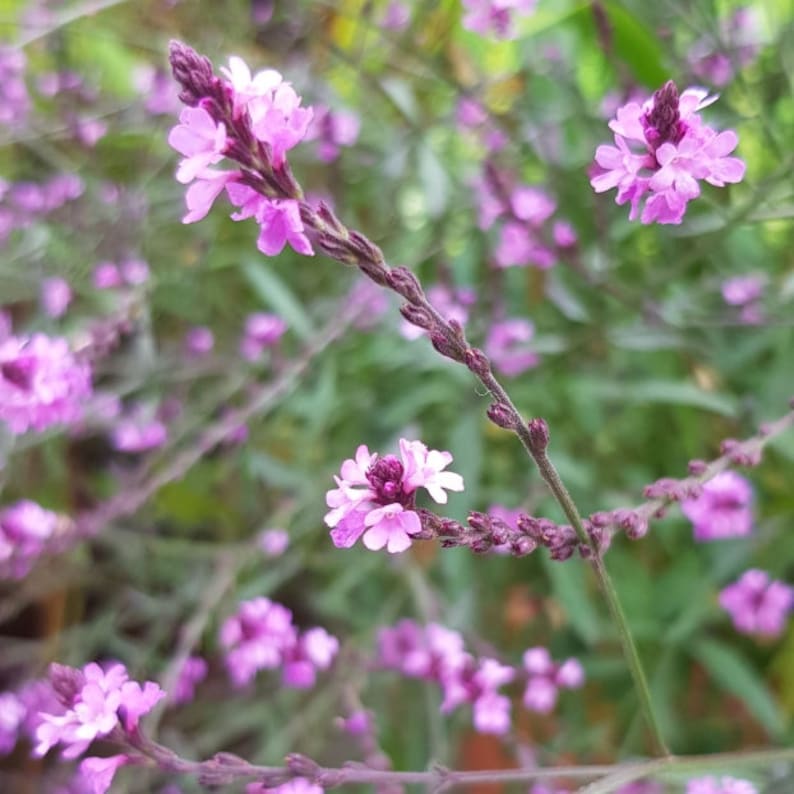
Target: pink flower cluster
{"x":96,"y":702}
{"x":758,"y":604}
{"x":545,"y":678}
{"x":508,"y":346}
{"x":332,"y":129}
{"x":662,"y":150}
{"x":723,"y":508}
{"x":269,"y":109}
{"x":495,"y":16}
{"x":12,"y":715}
{"x":41,"y":383}
{"x":25,"y":529}
{"x":744,"y":292}
{"x":23,"y":203}
{"x":261,"y":331}
{"x":524,"y":238}
{"x":721,"y":785}
{"x":376,"y":496}
{"x":436,"y":653}
{"x":192,"y":673}
{"x":130,"y":273}
{"x":262,"y":636}
{"x":715,"y":58}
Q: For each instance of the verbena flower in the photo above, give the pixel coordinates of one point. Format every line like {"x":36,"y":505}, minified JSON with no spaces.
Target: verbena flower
{"x":662,"y":151}
{"x":96,"y":702}
{"x":56,"y":294}
{"x":376,"y":496}
{"x":495,"y":17}
{"x":333,"y":129}
{"x":722,"y":785}
{"x":546,"y":678}
{"x":192,"y":672}
{"x":25,"y":528}
{"x":723,"y":509}
{"x":507,"y":346}
{"x":262,"y":636}
{"x":758,"y":604}
{"x":41,"y":383}
{"x":273,"y":542}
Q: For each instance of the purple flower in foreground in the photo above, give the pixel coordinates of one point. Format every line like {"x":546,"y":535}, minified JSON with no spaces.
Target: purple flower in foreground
{"x":723,"y":509}
{"x":375,"y":496}
{"x":96,"y":701}
{"x":662,"y":151}
{"x":98,"y":773}
{"x":200,"y":139}
{"x":758,"y":604}
{"x":722,"y":785}
{"x":41,"y":383}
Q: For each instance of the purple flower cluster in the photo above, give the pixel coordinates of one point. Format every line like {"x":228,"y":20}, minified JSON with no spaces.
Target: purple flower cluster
{"x":262,"y":636}
{"x":436,"y":653}
{"x":721,"y":785}
{"x":266,"y":109}
{"x":495,"y":17}
{"x":524,"y":238}
{"x":23,"y":203}
{"x":14,"y":98}
{"x":192,"y":673}
{"x":376,"y":496}
{"x":744,"y":292}
{"x":662,"y":150}
{"x":25,"y":530}
{"x":130,"y":273}
{"x":261,"y":331}
{"x":41,"y":383}
{"x":508,"y":346}
{"x":722,"y":509}
{"x":758,"y":604}
{"x":332,"y":129}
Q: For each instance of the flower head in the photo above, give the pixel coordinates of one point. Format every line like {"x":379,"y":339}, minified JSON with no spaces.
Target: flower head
{"x":662,"y":151}
{"x":41,"y":383}
{"x":758,"y":604}
{"x":723,"y":509}
{"x":375,"y":496}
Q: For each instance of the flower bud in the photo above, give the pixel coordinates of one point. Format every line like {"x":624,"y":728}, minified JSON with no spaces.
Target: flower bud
{"x":538,"y":435}
{"x":405,"y":283}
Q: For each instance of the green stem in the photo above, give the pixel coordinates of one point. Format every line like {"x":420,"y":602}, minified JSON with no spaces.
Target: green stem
{"x":555,"y":483}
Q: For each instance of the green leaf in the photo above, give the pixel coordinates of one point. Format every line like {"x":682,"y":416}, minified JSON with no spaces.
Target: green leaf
{"x":733,"y":673}
{"x":637,"y":46}
{"x":569,"y":583}
{"x":276,"y":295}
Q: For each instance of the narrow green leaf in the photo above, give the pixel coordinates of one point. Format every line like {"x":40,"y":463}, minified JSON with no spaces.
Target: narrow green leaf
{"x":275,"y":294}
{"x":733,"y":673}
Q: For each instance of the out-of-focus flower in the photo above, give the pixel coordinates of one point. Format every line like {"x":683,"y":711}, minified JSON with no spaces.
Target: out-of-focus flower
{"x":25,"y":528}
{"x":96,"y":702}
{"x":376,"y":496}
{"x":745,"y":293}
{"x":262,"y":331}
{"x":662,"y":150}
{"x":41,"y":383}
{"x":333,"y":129}
{"x":721,"y":785}
{"x":396,"y":16}
{"x":199,"y":341}
{"x":107,"y":276}
{"x":56,"y":294}
{"x":495,"y":17}
{"x":12,"y":714}
{"x":723,"y":509}
{"x":138,"y":433}
{"x":261,"y":636}
{"x":758,"y":604}
{"x":298,"y":785}
{"x":193,"y":672}
{"x":546,"y":678}
{"x":273,"y":542}
{"x":134,"y":272}
{"x":14,"y":99}
{"x":508,"y":348}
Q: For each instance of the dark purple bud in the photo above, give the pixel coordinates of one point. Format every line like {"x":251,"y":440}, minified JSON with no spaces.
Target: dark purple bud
{"x":302,"y":766}
{"x":66,"y":682}
{"x":368,"y":251}
{"x":500,"y":532}
{"x":457,"y":330}
{"x":326,"y":215}
{"x":602,"y":519}
{"x":502,"y":416}
{"x":538,"y":435}
{"x":416,"y":315}
{"x":530,"y":526}
{"x":192,"y":71}
{"x":385,"y":476}
{"x":697,"y":467}
{"x":405,"y":283}
{"x":561,"y":553}
{"x":479,"y":521}
{"x":19,"y":372}
{"x":521,"y":547}
{"x":447,"y":348}
{"x":477,"y":362}
{"x":480,"y":545}
{"x":663,"y":118}
{"x":335,"y":247}
{"x":728,"y":445}
{"x":431,"y":523}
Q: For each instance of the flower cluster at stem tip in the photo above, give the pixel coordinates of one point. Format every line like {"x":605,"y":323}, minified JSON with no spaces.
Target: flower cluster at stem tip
{"x":376,"y":496}
{"x":662,"y":150}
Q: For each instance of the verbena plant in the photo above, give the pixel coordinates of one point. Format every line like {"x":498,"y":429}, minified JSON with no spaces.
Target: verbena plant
{"x":524,"y":608}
